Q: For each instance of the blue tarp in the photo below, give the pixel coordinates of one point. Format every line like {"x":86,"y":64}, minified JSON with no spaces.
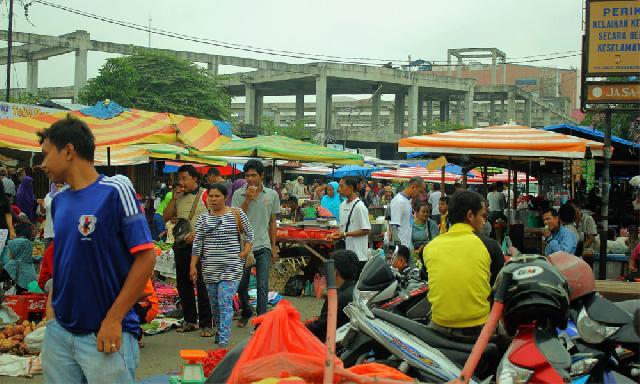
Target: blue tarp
{"x":354,"y":170}
{"x":592,"y":133}
{"x":104,"y":110}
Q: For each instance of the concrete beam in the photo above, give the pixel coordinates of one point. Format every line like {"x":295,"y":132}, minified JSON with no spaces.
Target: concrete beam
{"x":50,"y":92}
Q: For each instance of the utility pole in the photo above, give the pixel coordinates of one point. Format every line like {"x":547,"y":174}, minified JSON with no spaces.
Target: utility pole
{"x":9,"y":46}
{"x":606,"y":180}
{"x":149,"y":30}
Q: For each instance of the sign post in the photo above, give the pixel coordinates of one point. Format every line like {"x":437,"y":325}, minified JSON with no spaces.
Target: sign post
{"x":610,"y":78}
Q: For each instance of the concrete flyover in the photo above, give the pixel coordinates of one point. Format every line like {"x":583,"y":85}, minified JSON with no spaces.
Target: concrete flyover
{"x":414,"y":92}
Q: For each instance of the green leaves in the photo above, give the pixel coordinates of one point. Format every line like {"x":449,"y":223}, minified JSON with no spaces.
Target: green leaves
{"x":159,"y":82}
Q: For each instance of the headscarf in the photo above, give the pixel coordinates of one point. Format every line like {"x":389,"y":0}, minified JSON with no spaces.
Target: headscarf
{"x":25,"y":199}
{"x":20,"y":267}
{"x":332,"y":203}
{"x":234,"y":187}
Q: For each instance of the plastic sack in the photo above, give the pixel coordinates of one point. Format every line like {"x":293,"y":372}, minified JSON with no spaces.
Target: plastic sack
{"x":34,"y":339}
{"x":280,"y":331}
{"x":7,"y":315}
{"x":15,"y":366}
{"x":295,"y":286}
{"x":319,"y":285}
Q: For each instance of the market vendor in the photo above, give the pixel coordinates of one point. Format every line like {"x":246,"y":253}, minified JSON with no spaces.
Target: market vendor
{"x":346,"y":265}
{"x":558,"y":237}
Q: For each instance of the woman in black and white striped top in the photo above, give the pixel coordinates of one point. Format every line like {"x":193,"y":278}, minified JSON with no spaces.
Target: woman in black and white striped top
{"x":216,"y":246}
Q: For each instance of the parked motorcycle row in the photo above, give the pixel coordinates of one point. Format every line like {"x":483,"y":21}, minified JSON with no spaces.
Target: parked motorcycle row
{"x":554,"y":327}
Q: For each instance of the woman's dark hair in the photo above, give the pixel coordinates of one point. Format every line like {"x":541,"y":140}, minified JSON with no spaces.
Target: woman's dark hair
{"x":256,"y":165}
{"x":190,"y":169}
{"x":404,"y":252}
{"x":567,"y":213}
{"x":461,"y":202}
{"x":219,"y":187}
{"x":70,"y":131}
{"x":346,"y":262}
{"x":422,"y":205}
{"x":445,"y":199}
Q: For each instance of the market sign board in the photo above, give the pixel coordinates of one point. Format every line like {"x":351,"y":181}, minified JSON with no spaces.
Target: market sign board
{"x":613,"y":93}
{"x":613,"y":38}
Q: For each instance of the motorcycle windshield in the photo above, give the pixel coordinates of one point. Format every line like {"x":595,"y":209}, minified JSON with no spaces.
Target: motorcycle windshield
{"x":376,"y":275}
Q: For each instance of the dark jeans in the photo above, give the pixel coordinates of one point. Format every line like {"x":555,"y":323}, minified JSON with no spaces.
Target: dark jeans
{"x":185,"y":290}
{"x":263,"y":261}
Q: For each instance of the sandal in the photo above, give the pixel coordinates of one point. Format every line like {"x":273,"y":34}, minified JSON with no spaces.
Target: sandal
{"x":187,"y":327}
{"x":206,"y":332}
{"x":242,"y":322}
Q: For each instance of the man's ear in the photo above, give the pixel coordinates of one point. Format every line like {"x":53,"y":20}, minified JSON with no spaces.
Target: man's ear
{"x":69,"y":150}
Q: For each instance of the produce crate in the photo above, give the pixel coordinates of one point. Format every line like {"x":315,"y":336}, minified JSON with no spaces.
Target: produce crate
{"x":31,"y":307}
{"x":283,"y":270}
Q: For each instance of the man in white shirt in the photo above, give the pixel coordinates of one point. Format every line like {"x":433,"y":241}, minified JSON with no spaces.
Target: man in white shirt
{"x":497,"y":202}
{"x":402,"y":213}
{"x":44,"y":208}
{"x":354,"y":220}
{"x":434,"y":200}
{"x":298,"y":189}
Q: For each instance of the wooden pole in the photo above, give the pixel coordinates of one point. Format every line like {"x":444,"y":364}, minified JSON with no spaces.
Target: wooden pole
{"x":602,"y":275}
{"x":442,"y":181}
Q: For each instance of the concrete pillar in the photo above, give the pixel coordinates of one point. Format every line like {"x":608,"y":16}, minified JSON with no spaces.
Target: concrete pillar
{"x":468,"y":108}
{"x":32,"y":77}
{"x":212,"y":67}
{"x":429,"y":116}
{"x":249,"y":104}
{"x":258,"y":110}
{"x":321,"y":102}
{"x":502,"y":112}
{"x":375,"y":112}
{"x":458,"y":110}
{"x":527,"y":111}
{"x":420,"y":114}
{"x":80,"y":74}
{"x":444,"y":109}
{"x":412,"y":126}
{"x":276,"y":116}
{"x":493,"y":68}
{"x":547,"y":117}
{"x":299,"y":106}
{"x":330,"y":121}
{"x":511,"y":106}
{"x":492,"y":112}
{"x":398,"y":109}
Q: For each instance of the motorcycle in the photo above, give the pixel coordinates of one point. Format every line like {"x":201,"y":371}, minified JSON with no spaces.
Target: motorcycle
{"x":385,"y":337}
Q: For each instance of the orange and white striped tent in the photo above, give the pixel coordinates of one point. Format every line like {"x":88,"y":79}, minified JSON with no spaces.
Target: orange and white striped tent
{"x":405,"y":173}
{"x":504,"y":141}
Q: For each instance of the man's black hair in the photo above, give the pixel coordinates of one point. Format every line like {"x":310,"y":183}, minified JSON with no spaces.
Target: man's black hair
{"x":346,"y":262}
{"x":351,"y":181}
{"x":415,"y":181}
{"x":404,"y":252}
{"x":256,"y":165}
{"x":436,"y":187}
{"x":445,"y":199}
{"x":292,"y":199}
{"x":461,"y":202}
{"x":219,"y":187}
{"x":190,"y":169}
{"x":567,"y":213}
{"x":213,"y":171}
{"x":575,"y":203}
{"x":70,"y":131}
{"x":550,"y":210}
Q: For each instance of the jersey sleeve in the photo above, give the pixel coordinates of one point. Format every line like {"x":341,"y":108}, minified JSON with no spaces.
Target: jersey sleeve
{"x":396,"y":213}
{"x":133,"y":224}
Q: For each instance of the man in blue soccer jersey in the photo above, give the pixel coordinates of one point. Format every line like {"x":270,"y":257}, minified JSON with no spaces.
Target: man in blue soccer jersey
{"x":103,"y":258}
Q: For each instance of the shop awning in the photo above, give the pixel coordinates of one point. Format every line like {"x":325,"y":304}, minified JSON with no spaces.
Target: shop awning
{"x":409,"y":172}
{"x":502,"y":141}
{"x":285,"y":148}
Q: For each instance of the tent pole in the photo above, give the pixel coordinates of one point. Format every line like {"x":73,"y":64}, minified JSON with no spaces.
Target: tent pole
{"x":464,"y":177}
{"x":526,"y":187}
{"x":485,"y":179}
{"x":508,"y":193}
{"x":602,"y":275}
{"x":442,"y":180}
{"x":273,"y":175}
{"x":109,"y":158}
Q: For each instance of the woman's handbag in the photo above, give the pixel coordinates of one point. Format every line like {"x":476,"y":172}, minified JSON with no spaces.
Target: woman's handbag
{"x":251,"y":259}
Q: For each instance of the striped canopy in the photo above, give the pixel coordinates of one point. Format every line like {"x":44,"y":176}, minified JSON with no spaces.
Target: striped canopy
{"x":409,"y":172}
{"x":502,"y":176}
{"x":285,"y":148}
{"x":129,"y":127}
{"x":503,"y":140}
{"x":143,"y":153}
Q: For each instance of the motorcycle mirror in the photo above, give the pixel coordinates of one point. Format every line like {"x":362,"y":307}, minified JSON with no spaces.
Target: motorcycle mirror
{"x":404,"y":294}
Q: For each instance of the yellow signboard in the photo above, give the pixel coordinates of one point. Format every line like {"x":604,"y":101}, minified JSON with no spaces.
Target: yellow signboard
{"x":613,"y":93}
{"x":613,"y":33}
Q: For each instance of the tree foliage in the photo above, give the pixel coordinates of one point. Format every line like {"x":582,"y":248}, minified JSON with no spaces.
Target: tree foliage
{"x":158,"y":82}
{"x":443,"y":126}
{"x":623,"y":124}
{"x":296,"y":130}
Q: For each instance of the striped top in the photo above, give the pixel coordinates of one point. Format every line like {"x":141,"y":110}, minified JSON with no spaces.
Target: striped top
{"x":216,"y":242}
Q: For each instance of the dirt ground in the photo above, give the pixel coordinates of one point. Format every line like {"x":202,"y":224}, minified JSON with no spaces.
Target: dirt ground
{"x":160,"y":354}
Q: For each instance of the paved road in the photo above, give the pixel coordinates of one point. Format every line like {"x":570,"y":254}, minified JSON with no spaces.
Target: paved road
{"x":160,"y":354}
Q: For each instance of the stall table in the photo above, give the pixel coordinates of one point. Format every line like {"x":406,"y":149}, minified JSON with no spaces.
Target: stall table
{"x":306,"y":244}
{"x":618,"y":290}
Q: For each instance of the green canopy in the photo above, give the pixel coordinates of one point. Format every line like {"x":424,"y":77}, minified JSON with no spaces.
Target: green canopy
{"x":285,"y":148}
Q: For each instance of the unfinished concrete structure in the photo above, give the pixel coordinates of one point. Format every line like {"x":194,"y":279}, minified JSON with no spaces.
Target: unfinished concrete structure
{"x":417,"y":95}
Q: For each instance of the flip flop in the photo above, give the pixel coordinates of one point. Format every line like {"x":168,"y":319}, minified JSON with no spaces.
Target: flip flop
{"x":187,"y":328}
{"x":206,"y":332}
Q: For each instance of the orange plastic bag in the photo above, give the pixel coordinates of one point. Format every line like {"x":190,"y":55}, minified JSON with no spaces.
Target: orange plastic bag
{"x":280,"y":331}
{"x":319,"y":285}
{"x":379,"y":371}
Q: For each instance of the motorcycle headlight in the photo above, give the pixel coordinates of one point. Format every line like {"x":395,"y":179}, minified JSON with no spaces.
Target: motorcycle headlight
{"x":583,"y":366}
{"x":513,"y":374}
{"x":362,"y":297}
{"x":592,"y":331}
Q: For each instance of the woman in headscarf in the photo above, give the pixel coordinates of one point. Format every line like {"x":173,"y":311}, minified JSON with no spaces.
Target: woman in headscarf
{"x":25,"y":200}
{"x":19,"y":266}
{"x":331,"y":201}
{"x":234,"y":187}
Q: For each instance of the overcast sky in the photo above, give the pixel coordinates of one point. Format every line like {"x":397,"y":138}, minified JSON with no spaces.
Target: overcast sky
{"x":348,"y":28}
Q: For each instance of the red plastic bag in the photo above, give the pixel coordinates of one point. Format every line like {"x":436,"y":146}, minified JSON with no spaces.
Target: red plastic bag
{"x":319,"y":285}
{"x":280,"y":331}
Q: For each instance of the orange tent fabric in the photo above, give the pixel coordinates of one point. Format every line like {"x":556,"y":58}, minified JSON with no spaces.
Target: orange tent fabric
{"x":502,"y":140}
